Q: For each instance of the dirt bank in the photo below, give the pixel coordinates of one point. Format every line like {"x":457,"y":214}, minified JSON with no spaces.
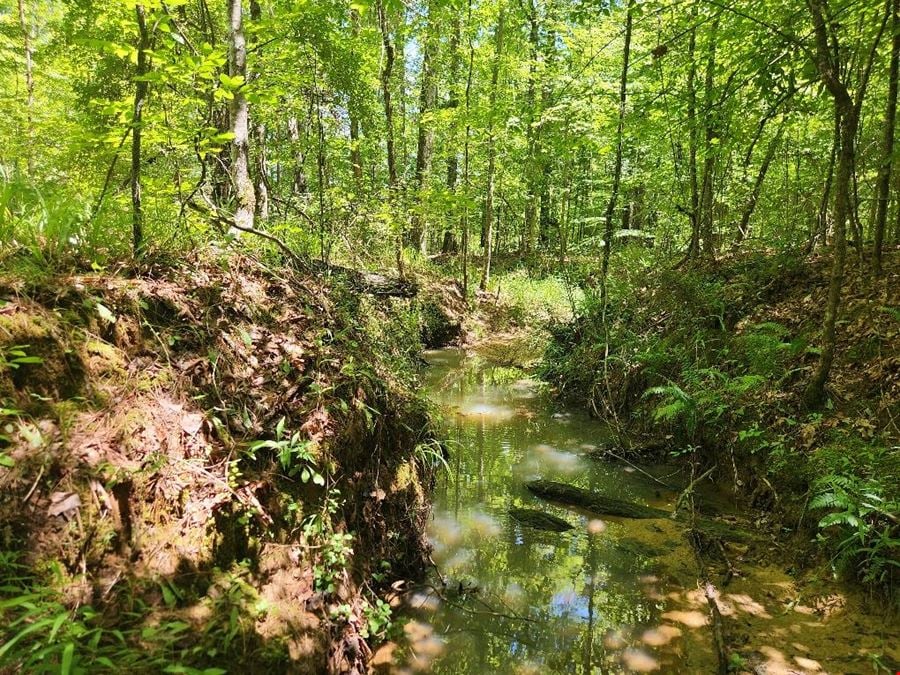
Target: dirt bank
{"x":217,"y":465}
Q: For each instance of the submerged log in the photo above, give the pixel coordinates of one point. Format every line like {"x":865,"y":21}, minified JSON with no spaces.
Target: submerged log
{"x":539,"y":520}
{"x":594,"y":502}
{"x":601,"y":505}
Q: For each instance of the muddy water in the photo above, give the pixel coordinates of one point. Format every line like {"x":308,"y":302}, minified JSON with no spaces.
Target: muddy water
{"x":607,"y":596}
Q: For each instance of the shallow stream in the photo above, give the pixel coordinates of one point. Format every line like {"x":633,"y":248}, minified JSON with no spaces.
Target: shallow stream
{"x":608,"y":595}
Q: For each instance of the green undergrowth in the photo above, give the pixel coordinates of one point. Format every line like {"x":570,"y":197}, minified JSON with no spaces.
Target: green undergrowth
{"x":711,"y":362}
{"x":205,"y":467}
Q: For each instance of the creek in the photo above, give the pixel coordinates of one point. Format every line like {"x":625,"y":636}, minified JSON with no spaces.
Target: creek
{"x":605,"y":596}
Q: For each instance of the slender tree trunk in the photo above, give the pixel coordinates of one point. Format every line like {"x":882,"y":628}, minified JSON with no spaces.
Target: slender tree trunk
{"x":356,"y":162}
{"x":533,"y":169}
{"x":425,"y":139}
{"x":140,"y":99}
{"x":321,"y":164}
{"x":29,"y":85}
{"x":707,"y":219}
{"x":847,"y":110}
{"x":387,"y":69}
{"x":617,"y":169}
{"x":849,"y":120}
{"x":245,"y":197}
{"x":465,"y":217}
{"x":897,"y":207}
{"x":355,"y":153}
{"x":890,"y":117}
{"x":545,"y":165}
{"x":821,"y":233}
{"x":694,"y":215}
{"x":261,"y":168}
{"x":488,"y":220}
{"x":299,"y":183}
{"x":453,"y":156}
{"x":743,"y":230}
{"x":262,"y":173}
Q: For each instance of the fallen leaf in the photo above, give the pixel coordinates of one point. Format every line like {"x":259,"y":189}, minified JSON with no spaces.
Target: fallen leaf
{"x":63,"y":503}
{"x":191,"y":423}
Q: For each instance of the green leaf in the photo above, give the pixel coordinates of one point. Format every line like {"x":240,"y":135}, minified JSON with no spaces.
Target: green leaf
{"x":105,"y":313}
{"x":231,"y":83}
{"x":68,"y":656}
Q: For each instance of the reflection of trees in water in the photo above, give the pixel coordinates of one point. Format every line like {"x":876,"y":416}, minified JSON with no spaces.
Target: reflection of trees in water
{"x":563,"y":633}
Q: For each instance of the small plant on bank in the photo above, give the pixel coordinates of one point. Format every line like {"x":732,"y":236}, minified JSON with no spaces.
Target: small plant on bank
{"x":294,"y":454}
{"x":862,"y":526}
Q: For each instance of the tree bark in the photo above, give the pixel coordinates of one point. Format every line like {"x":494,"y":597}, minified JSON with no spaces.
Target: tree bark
{"x":533,"y":168}
{"x":847,"y":109}
{"x":245,"y":197}
{"x":387,"y":69}
{"x":887,"y":147}
{"x":299,"y":183}
{"x":488,"y":216}
{"x":262,"y":169}
{"x":453,"y":155}
{"x":821,"y":233}
{"x":744,"y":226}
{"x":465,"y":216}
{"x":617,"y":169}
{"x":694,"y":246}
{"x":425,"y":139}
{"x":356,"y":162}
{"x":707,"y":218}
{"x":140,"y":99}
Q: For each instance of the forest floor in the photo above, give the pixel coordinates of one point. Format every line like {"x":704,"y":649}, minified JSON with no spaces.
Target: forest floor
{"x":215,"y":462}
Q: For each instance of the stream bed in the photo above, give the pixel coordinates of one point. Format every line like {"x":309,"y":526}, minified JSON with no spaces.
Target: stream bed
{"x":608,"y":595}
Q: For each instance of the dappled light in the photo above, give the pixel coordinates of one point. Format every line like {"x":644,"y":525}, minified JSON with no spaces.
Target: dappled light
{"x":450,"y":337}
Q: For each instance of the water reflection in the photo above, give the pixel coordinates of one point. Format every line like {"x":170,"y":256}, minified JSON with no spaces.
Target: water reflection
{"x":512,"y":598}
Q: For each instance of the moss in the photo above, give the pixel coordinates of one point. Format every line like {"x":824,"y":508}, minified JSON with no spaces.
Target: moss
{"x":405,"y":477}
{"x":22,"y":327}
{"x":104,"y":360}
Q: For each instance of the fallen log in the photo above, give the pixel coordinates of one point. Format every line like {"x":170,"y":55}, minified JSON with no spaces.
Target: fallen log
{"x":594,"y":502}
{"x":601,"y":505}
{"x":539,"y":520}
{"x":372,"y":283}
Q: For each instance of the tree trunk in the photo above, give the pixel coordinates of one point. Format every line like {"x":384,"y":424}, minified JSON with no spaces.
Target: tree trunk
{"x":262,"y":170}
{"x":617,"y":169}
{"x":707,"y":219}
{"x":321,"y":164}
{"x":744,"y":226}
{"x":29,"y":85}
{"x":849,"y":121}
{"x":425,"y":139}
{"x":355,"y":153}
{"x":887,"y":147}
{"x":694,"y":215}
{"x":847,"y":111}
{"x":488,"y":219}
{"x":453,"y":155}
{"x":533,"y":169}
{"x":140,"y":98}
{"x":245,"y":198}
{"x":821,"y":233}
{"x":300,"y":183}
{"x":465,"y":217}
{"x":386,"y":72}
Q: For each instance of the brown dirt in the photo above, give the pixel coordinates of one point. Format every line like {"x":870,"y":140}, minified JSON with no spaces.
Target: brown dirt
{"x":130,"y":457}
